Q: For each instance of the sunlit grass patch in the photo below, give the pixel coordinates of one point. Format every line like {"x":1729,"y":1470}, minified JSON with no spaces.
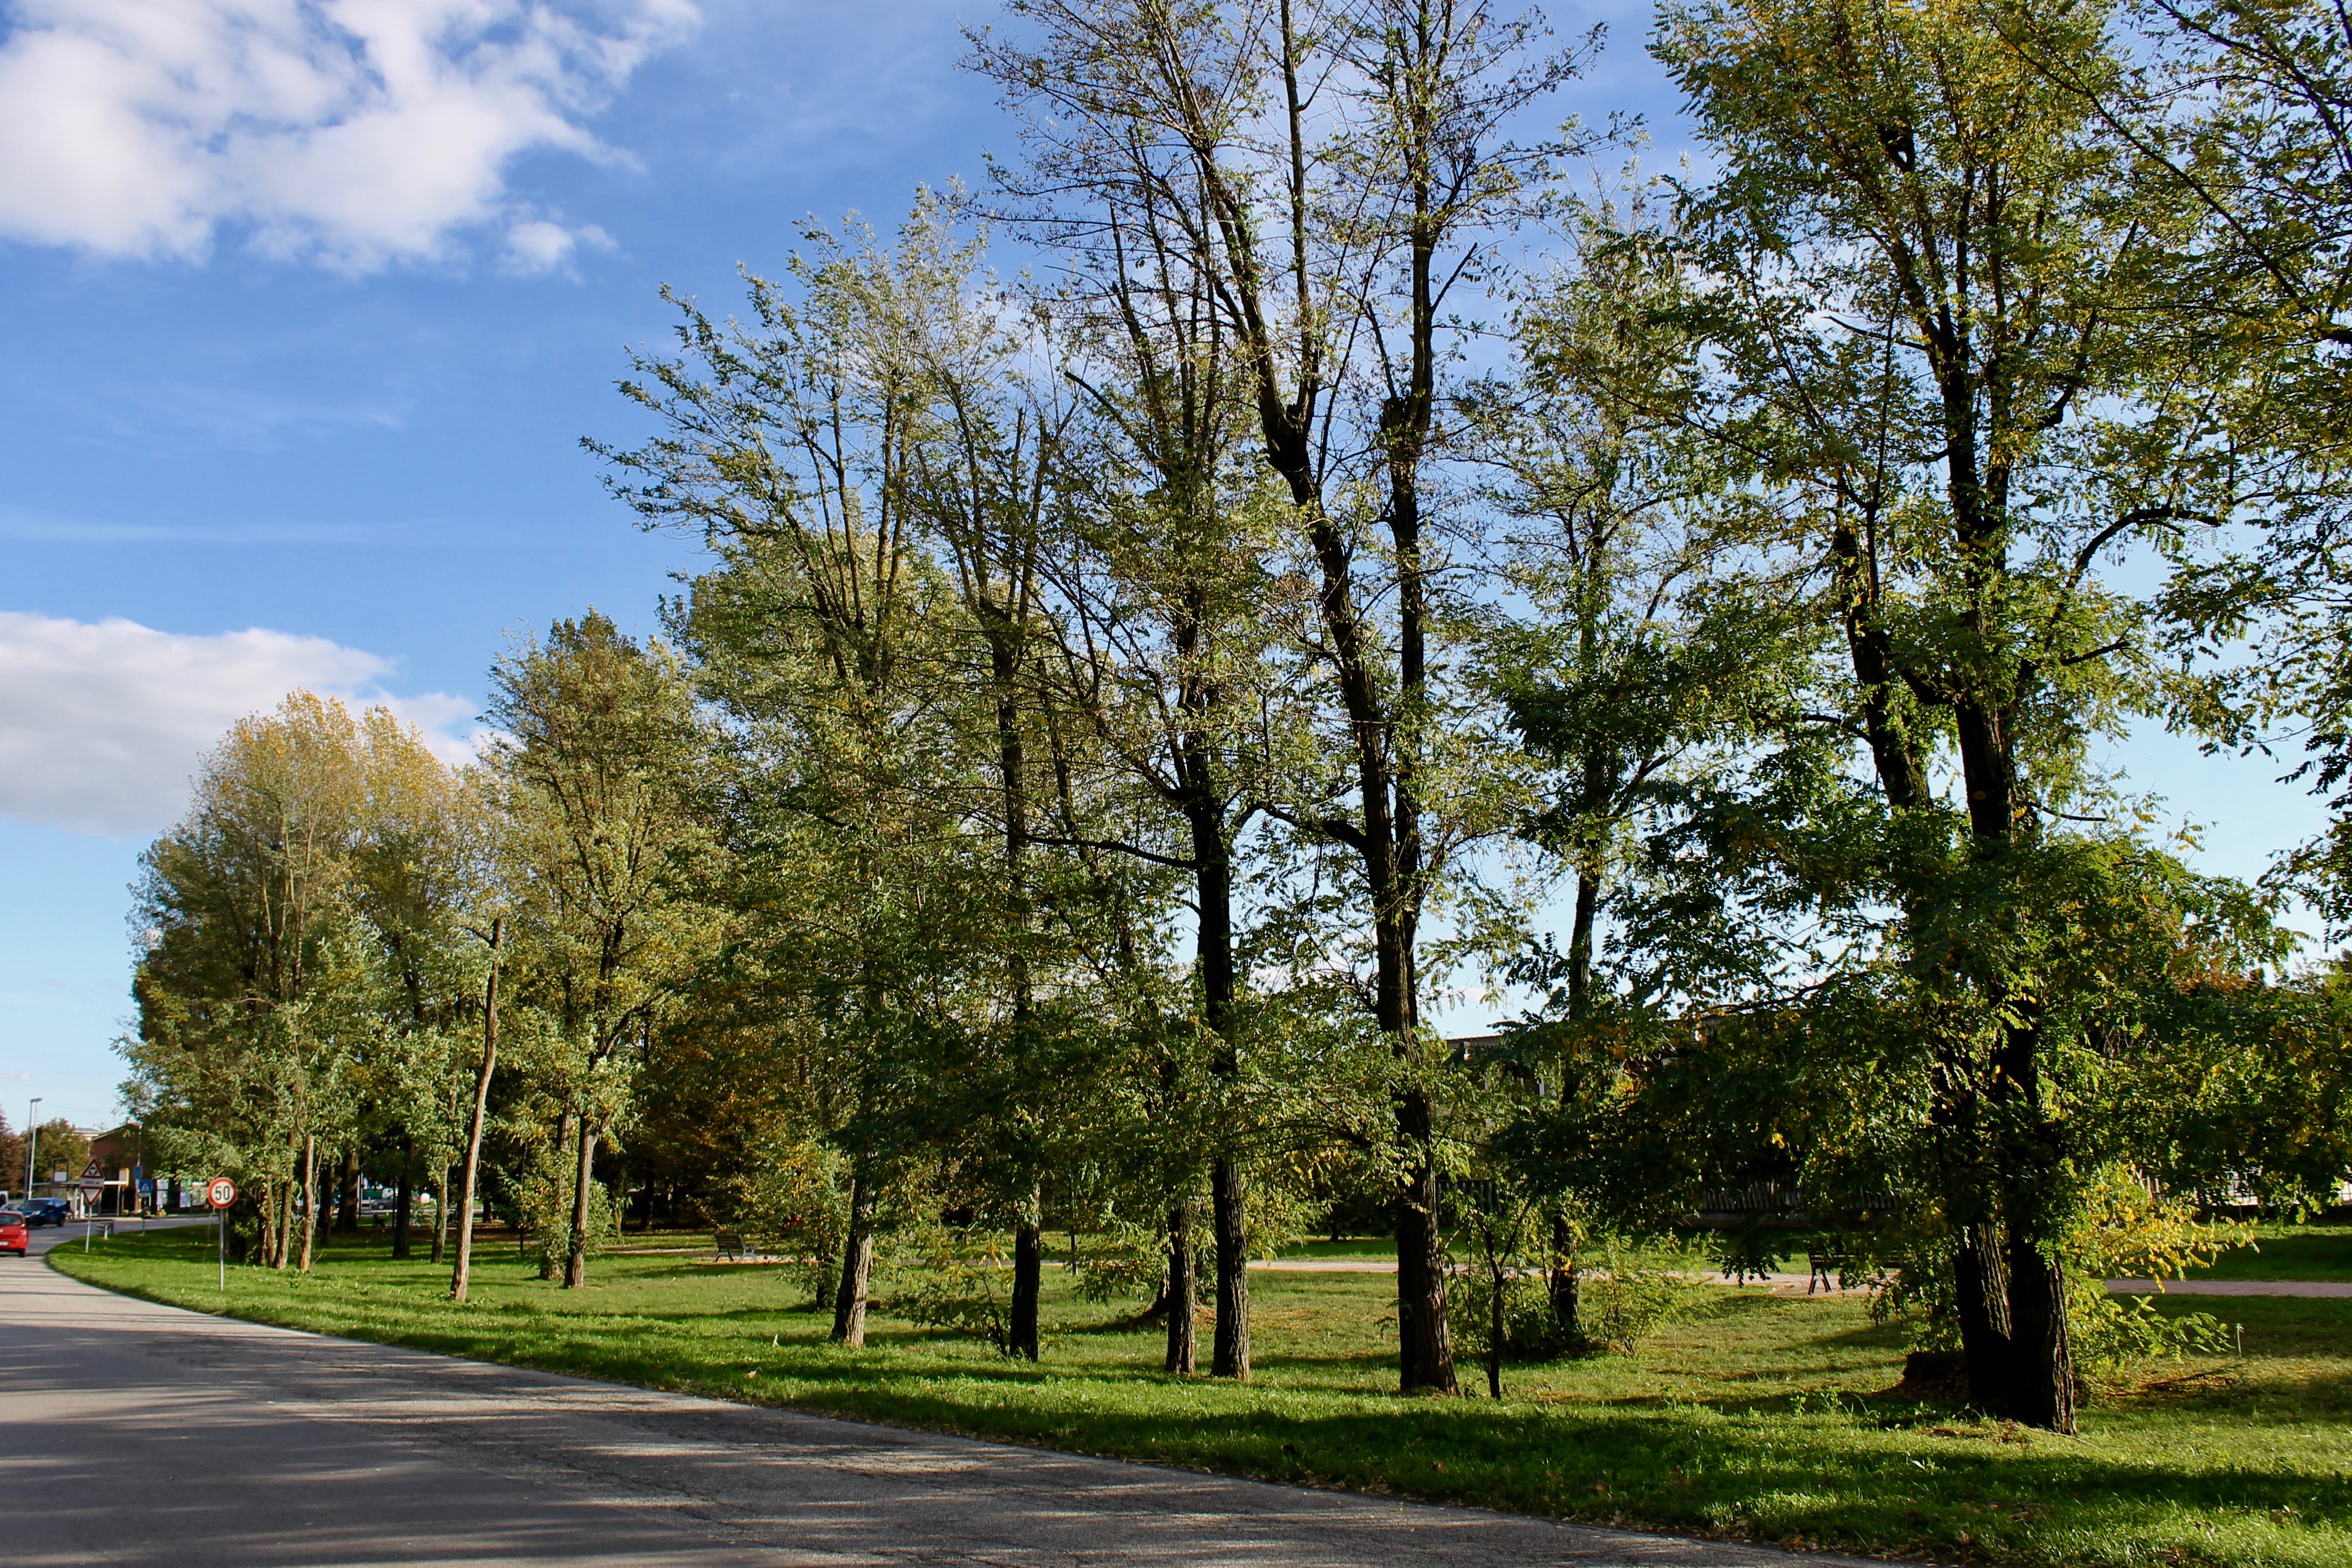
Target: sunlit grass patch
{"x":2287,"y":1251}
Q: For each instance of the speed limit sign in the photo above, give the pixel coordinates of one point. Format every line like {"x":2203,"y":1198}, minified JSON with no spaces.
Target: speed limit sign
{"x":220,"y":1192}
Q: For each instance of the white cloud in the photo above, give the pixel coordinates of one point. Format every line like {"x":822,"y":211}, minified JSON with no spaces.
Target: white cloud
{"x":101,"y":724}
{"x":357,"y":132}
{"x":541,"y":245}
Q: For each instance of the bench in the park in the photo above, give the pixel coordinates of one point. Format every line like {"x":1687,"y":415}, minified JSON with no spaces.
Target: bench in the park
{"x":729,"y":1244}
{"x":1826,"y":1262}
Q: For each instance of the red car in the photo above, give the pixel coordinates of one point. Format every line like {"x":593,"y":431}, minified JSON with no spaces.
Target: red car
{"x":14,"y":1236}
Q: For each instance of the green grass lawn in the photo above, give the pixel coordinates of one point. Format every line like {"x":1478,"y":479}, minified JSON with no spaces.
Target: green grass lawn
{"x":1749,"y":1415}
{"x":2283,"y":1251}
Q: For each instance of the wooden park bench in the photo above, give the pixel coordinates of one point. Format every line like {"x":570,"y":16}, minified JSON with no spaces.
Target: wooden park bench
{"x":727,"y":1244}
{"x":1826,"y":1261}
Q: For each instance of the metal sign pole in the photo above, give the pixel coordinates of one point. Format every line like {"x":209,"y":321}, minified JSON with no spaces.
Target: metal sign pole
{"x":220,"y":1192}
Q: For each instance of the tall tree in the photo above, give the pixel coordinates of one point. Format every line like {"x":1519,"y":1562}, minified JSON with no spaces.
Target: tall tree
{"x":421,"y":871}
{"x":1334,"y":171}
{"x":605,"y":765}
{"x":1643,"y":663}
{"x":1174,"y":609}
{"x":985,"y":476}
{"x":1934,"y":259}
{"x":823,"y":632}
{"x":239,"y":903}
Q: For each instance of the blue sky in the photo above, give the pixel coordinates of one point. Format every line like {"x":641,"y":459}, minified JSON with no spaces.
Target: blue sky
{"x":295,"y":354}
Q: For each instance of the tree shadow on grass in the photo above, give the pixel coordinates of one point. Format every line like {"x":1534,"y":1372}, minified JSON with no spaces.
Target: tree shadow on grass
{"x":667,"y":1268}
{"x":1692,"y":1471}
{"x":1716,"y":1304}
{"x":758,"y":1311}
{"x":1131,"y":1326}
{"x":1870,"y":1336}
{"x":2211,"y":1393}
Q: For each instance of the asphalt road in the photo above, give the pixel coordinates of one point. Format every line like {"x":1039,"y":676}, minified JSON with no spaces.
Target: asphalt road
{"x":132,"y":1434}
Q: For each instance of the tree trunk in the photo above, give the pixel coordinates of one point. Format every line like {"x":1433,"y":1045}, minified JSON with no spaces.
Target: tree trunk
{"x":1494,"y":1321}
{"x":461,"y":1277}
{"x":401,"y":1199}
{"x":1979,"y":1276}
{"x":2042,"y":1349}
{"x":575,"y":1252}
{"x":1397,"y":888}
{"x":1183,"y":1331}
{"x":856,"y":1263}
{"x":1424,"y":1346}
{"x":272,"y":1225}
{"x":1560,"y":1285}
{"x":1981,"y":1281}
{"x":284,"y":1255}
{"x":347,"y":1204}
{"x":309,"y":1197}
{"x":440,"y":1213}
{"x":1028,"y":1277}
{"x":1229,"y":1199}
{"x":1982,"y":1285}
{"x":1001,"y":623}
{"x":547,"y":1244}
{"x":1388,"y":845}
{"x":1895,"y":753}
{"x":2029,"y":1149}
{"x":1204,"y":813}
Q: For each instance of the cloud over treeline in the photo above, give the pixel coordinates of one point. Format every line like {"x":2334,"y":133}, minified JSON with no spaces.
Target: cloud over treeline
{"x":102,"y":723}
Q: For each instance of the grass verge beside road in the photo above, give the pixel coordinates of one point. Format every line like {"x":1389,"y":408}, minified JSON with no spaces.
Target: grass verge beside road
{"x":1749,"y":1415}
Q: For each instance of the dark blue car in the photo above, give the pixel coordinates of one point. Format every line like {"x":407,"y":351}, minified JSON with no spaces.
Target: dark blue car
{"x":46,"y":1211}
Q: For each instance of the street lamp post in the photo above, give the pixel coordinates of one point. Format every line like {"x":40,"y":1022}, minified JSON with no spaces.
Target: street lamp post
{"x":32,"y":1141}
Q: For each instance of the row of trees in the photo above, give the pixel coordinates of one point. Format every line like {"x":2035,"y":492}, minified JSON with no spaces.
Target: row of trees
{"x":34,"y":1156}
{"x":1120,"y":699}
{"x":326,"y":930}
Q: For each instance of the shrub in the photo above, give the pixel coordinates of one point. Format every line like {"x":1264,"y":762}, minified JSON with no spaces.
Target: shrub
{"x":1617,"y":1304}
{"x":949,"y":1290}
{"x":2129,"y":1233}
{"x":1129,"y":1263}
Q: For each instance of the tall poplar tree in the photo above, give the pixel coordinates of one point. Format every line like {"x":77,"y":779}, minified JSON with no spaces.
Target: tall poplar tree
{"x":868,"y":625}
{"x":1337,"y":171}
{"x":1925,"y":268}
{"x":1173,"y":613}
{"x":606,"y":772}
